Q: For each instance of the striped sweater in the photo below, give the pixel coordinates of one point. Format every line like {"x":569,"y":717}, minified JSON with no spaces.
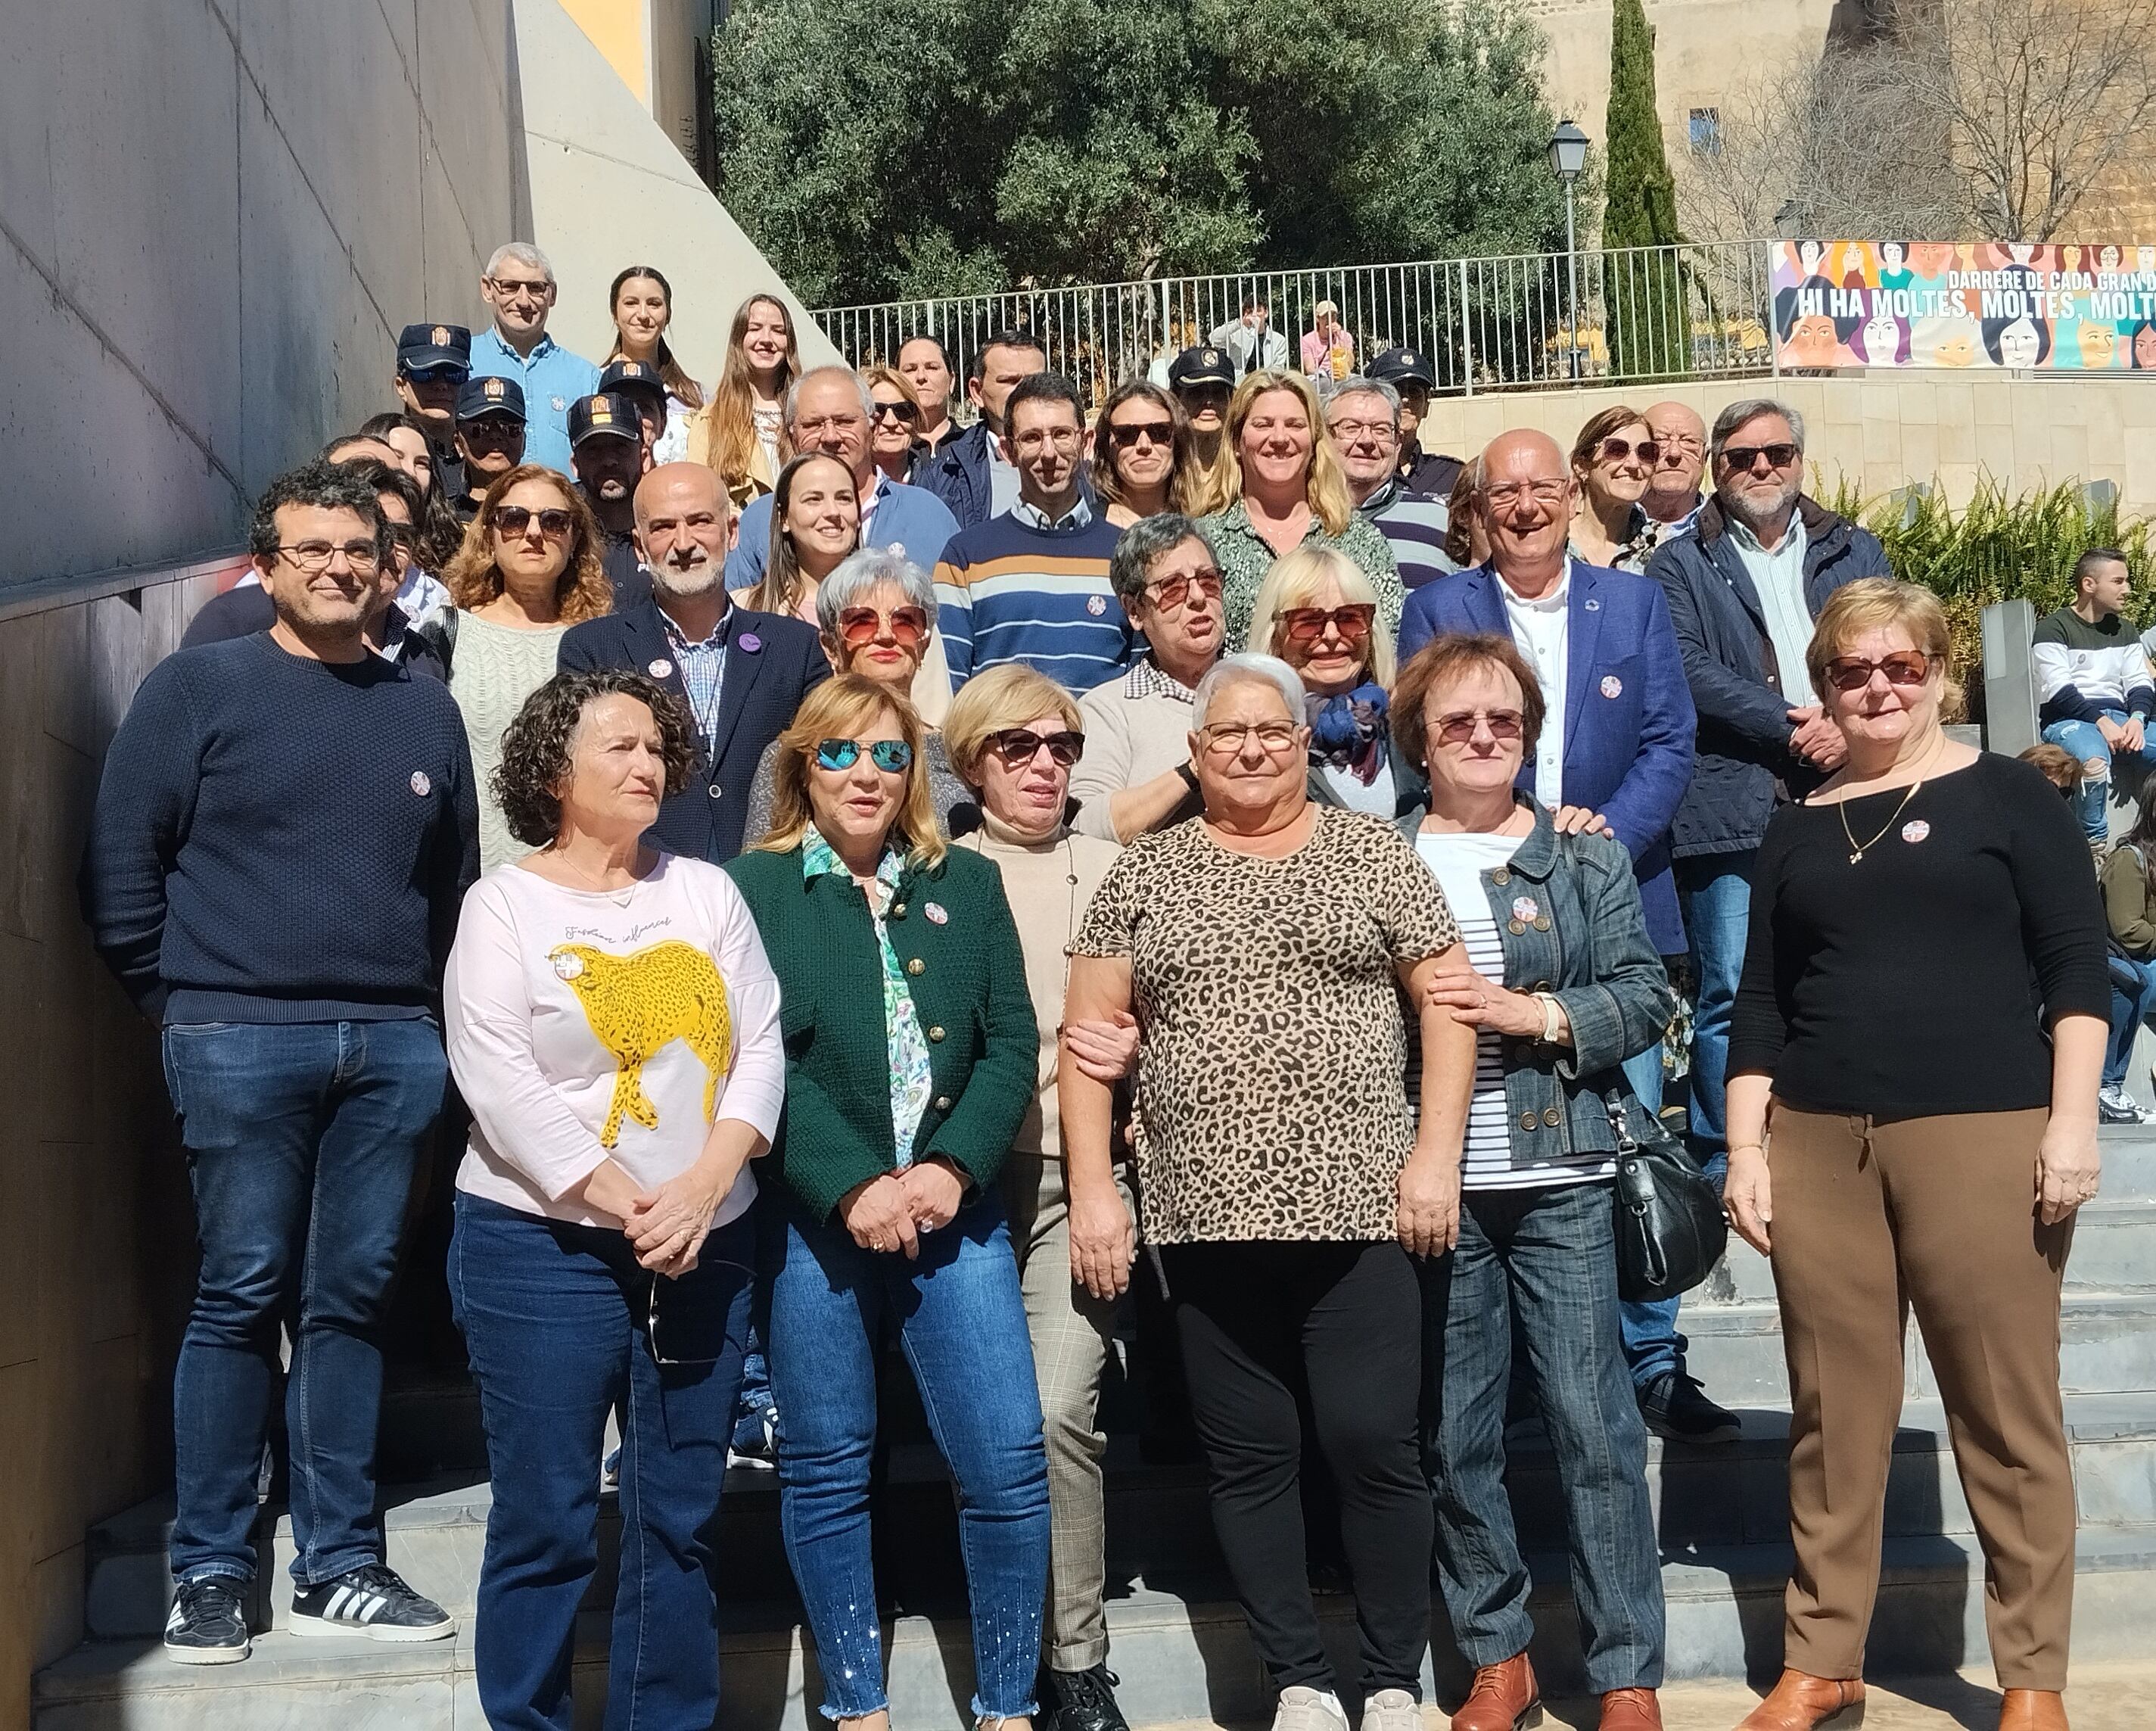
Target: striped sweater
{"x":1008,"y":591}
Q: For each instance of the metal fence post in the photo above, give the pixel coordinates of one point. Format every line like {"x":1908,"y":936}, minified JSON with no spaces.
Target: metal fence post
{"x":1466,"y":336}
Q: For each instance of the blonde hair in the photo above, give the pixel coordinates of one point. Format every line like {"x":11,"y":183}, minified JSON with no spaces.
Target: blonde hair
{"x":1294,"y":581}
{"x":1325,"y":485}
{"x":1882,"y":603}
{"x":838,"y":709}
{"x":734,"y":449}
{"x":877,"y":374}
{"x":1006,"y":696}
{"x":583,"y":591}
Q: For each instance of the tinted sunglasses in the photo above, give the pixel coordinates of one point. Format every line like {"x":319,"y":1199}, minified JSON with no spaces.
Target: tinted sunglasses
{"x":1170,"y":592}
{"x":1018,"y":746}
{"x":1458,"y":728}
{"x":1745,"y":457}
{"x":894,"y":757}
{"x":515,"y":520}
{"x":1124,"y":435}
{"x":1616,"y":450}
{"x":1306,"y":624}
{"x":901,"y":410}
{"x":1905,"y":667}
{"x":858,"y":625}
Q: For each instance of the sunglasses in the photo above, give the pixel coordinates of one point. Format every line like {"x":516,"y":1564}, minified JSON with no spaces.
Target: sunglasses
{"x":901,"y":410}
{"x":516,"y":520}
{"x":1743,"y":458}
{"x":1170,"y":592}
{"x":1019,"y":746}
{"x":1124,"y":435}
{"x":1306,"y":624}
{"x":1904,"y":667}
{"x":1205,"y":396}
{"x":894,"y":757}
{"x":1458,"y":728}
{"x":859,"y":625}
{"x":1616,"y":450}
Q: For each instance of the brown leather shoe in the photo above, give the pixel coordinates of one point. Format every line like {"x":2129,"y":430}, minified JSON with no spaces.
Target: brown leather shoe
{"x":2032,"y":1710}
{"x":1504,"y":1698}
{"x":1631,"y":1710}
{"x":1800,"y":1702}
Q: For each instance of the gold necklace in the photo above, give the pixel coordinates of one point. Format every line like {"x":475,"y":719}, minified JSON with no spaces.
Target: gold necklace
{"x":1855,"y":852}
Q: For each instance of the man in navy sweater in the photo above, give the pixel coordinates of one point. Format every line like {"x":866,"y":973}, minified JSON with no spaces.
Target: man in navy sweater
{"x":284,"y":829}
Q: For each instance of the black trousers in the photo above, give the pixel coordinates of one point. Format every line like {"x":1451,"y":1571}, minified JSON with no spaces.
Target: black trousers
{"x":1269,"y":1329}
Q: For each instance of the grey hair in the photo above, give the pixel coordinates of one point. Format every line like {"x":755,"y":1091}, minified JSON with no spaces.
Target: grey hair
{"x":793,"y":410}
{"x":1750,"y":409}
{"x":1355,"y":385}
{"x":1143,"y":546}
{"x":1247,"y":670}
{"x":857,"y":573}
{"x":519,"y":252}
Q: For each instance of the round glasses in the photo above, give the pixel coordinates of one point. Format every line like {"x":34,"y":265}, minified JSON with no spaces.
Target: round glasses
{"x":907,"y":626}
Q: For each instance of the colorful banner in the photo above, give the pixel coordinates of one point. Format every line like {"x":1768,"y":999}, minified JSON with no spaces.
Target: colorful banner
{"x":1985,"y":304}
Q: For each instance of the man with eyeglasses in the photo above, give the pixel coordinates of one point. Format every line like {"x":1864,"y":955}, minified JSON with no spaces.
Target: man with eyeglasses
{"x":518,"y":285}
{"x":831,"y":409}
{"x":285,"y":828}
{"x":742,"y":673}
{"x":974,"y":474}
{"x":1673,"y":500}
{"x":1363,"y":418}
{"x":1032,"y":585}
{"x":606,"y":443}
{"x":1137,"y":774}
{"x":490,"y":437}
{"x":1744,"y":589}
{"x":1425,"y":474}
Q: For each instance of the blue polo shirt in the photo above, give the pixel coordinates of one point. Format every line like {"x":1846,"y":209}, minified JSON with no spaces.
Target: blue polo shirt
{"x":553,"y":379}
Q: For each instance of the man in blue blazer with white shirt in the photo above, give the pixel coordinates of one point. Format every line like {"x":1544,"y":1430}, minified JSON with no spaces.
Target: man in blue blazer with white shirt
{"x":1618,"y":739}
{"x":742,"y":673}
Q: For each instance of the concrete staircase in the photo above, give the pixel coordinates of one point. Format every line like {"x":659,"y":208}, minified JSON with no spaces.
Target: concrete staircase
{"x":1179,"y":1645}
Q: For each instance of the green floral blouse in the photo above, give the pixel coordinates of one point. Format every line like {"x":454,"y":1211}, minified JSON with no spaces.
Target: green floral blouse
{"x":1244,"y":558}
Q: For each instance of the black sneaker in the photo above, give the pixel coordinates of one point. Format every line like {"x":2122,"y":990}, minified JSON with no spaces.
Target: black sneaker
{"x":208,"y":1622}
{"x":370,"y":1600}
{"x":1084,"y":1700}
{"x":1675,"y":1407}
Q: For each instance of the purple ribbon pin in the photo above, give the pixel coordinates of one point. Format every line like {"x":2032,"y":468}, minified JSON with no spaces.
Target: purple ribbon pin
{"x":750,"y":643}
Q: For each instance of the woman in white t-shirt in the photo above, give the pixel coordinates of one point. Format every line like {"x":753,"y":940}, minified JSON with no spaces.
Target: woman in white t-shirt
{"x":613,"y":1024}
{"x":1564,"y":987}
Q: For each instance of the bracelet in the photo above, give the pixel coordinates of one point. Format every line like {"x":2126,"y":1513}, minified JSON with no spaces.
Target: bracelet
{"x":1189,"y":776}
{"x":1552,"y":1010}
{"x":1748,"y":1147}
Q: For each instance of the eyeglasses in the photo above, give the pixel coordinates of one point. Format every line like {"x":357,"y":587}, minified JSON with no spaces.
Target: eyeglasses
{"x":1743,"y":458}
{"x":315,"y":557}
{"x":1508,"y":494}
{"x":1124,"y":435}
{"x":894,"y":757}
{"x":907,"y":626}
{"x":1616,"y":450}
{"x":538,"y":291}
{"x":805,"y":432}
{"x":1904,"y":667}
{"x":513,"y":521}
{"x":1205,"y":396}
{"x":1306,"y":624}
{"x":1351,"y":430}
{"x":1223,"y":738}
{"x":1064,"y":438}
{"x":1458,"y":727}
{"x":901,"y":410}
{"x":1019,"y":746}
{"x":1171,"y":593}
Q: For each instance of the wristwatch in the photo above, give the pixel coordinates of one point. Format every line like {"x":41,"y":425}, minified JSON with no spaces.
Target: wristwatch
{"x":1189,"y":776}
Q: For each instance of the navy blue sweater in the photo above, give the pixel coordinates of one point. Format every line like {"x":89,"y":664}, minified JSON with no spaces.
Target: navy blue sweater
{"x":281,"y":839}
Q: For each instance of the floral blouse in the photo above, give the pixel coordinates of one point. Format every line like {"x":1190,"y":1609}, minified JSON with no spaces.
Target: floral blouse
{"x":1244,"y":558}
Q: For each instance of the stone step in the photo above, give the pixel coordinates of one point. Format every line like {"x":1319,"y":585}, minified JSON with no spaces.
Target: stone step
{"x":1180,"y":1648}
{"x":1158,"y":1523}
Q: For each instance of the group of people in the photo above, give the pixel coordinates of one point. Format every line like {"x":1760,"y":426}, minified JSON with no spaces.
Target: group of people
{"x":843,"y":888}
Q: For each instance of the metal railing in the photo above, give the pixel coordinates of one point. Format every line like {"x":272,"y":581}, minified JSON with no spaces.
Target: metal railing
{"x":1533,"y":320}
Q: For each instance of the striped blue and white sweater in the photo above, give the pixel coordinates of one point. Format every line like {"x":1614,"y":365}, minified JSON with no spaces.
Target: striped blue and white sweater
{"x":1013,"y":589}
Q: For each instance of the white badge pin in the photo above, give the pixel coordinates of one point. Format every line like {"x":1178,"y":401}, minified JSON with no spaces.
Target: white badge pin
{"x":420,"y":784}
{"x":560,"y":403}
{"x":1096,"y":605}
{"x":660,"y":668}
{"x":937,"y":914}
{"x":1525,"y":908}
{"x":1612,"y":686}
{"x":1592,"y":605}
{"x":1916,"y":830}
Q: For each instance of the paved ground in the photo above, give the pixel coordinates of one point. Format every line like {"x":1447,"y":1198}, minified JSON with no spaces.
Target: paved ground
{"x":2102,"y":1699}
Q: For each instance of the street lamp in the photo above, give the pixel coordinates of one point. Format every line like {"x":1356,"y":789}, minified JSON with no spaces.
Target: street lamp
{"x":1567,"y":149}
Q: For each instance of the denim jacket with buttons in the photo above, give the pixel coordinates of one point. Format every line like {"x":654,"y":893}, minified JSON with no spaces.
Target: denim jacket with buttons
{"x":1586,"y":942}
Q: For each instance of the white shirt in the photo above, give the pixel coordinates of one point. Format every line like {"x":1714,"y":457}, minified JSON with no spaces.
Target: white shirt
{"x":548,"y":987}
{"x":1780,"y":578}
{"x":1541,"y":628}
{"x":1003,"y":480}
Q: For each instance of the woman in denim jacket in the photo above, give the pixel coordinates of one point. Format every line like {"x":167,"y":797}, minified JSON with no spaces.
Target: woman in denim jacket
{"x":1565,"y":986}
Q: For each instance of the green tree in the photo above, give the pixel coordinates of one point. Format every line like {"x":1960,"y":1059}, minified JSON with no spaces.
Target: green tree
{"x":1648,"y":324}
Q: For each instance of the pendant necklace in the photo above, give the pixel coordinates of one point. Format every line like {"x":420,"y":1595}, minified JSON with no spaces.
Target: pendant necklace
{"x":1856,"y":852}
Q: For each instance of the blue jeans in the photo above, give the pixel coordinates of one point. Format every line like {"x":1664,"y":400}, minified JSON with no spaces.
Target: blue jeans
{"x":2086,"y":743}
{"x":302,"y":1141}
{"x":1548,"y":1257}
{"x":755,"y":1405}
{"x":961,"y":1324}
{"x":2132,"y":1003}
{"x":563,"y":1326}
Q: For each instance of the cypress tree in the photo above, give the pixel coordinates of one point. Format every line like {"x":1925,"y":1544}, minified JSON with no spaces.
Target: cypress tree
{"x":1644,"y":293}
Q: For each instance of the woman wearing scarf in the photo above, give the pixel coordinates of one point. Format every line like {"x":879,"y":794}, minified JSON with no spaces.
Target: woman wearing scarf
{"x":1318,"y":612}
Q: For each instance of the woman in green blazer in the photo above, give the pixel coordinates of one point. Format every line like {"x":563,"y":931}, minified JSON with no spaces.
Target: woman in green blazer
{"x":911,"y":1051}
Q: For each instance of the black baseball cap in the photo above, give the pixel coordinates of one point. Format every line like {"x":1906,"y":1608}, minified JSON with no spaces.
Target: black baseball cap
{"x":433,"y":348}
{"x":1403,"y":367}
{"x":622,"y":377}
{"x":1205,"y":365}
{"x":490,"y":396}
{"x":606,"y":415}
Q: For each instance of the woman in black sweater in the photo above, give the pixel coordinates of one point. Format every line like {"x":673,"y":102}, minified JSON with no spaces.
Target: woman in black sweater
{"x":1919,"y":927}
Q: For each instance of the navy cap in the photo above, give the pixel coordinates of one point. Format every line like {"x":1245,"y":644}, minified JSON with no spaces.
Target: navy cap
{"x":606,"y":415}
{"x":1202,"y":366}
{"x":1403,"y":367}
{"x":433,"y":348}
{"x":625,"y":376}
{"x":490,"y":396}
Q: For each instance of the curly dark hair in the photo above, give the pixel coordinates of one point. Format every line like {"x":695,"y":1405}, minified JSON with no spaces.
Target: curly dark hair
{"x":534,"y":746}
{"x":330,"y":485}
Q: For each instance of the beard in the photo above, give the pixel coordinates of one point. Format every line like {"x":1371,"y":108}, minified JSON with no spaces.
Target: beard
{"x":1755,"y":510}
{"x":693,"y":585}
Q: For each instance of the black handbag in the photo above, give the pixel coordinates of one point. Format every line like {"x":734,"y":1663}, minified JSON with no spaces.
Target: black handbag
{"x":1670,"y":1227}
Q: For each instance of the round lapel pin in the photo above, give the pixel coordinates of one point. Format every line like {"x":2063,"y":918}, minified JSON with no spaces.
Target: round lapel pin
{"x":1525,"y":908}
{"x":660,"y":668}
{"x":1916,"y":830}
{"x":750,"y":643}
{"x":937,"y":914}
{"x":1612,"y":686}
{"x":420,"y":784}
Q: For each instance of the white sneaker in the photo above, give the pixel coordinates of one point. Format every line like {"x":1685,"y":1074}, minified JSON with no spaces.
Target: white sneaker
{"x":1392,"y":1710}
{"x":1302,"y":1709}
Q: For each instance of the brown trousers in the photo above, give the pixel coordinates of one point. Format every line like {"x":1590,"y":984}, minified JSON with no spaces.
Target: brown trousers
{"x":1938,"y":1213}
